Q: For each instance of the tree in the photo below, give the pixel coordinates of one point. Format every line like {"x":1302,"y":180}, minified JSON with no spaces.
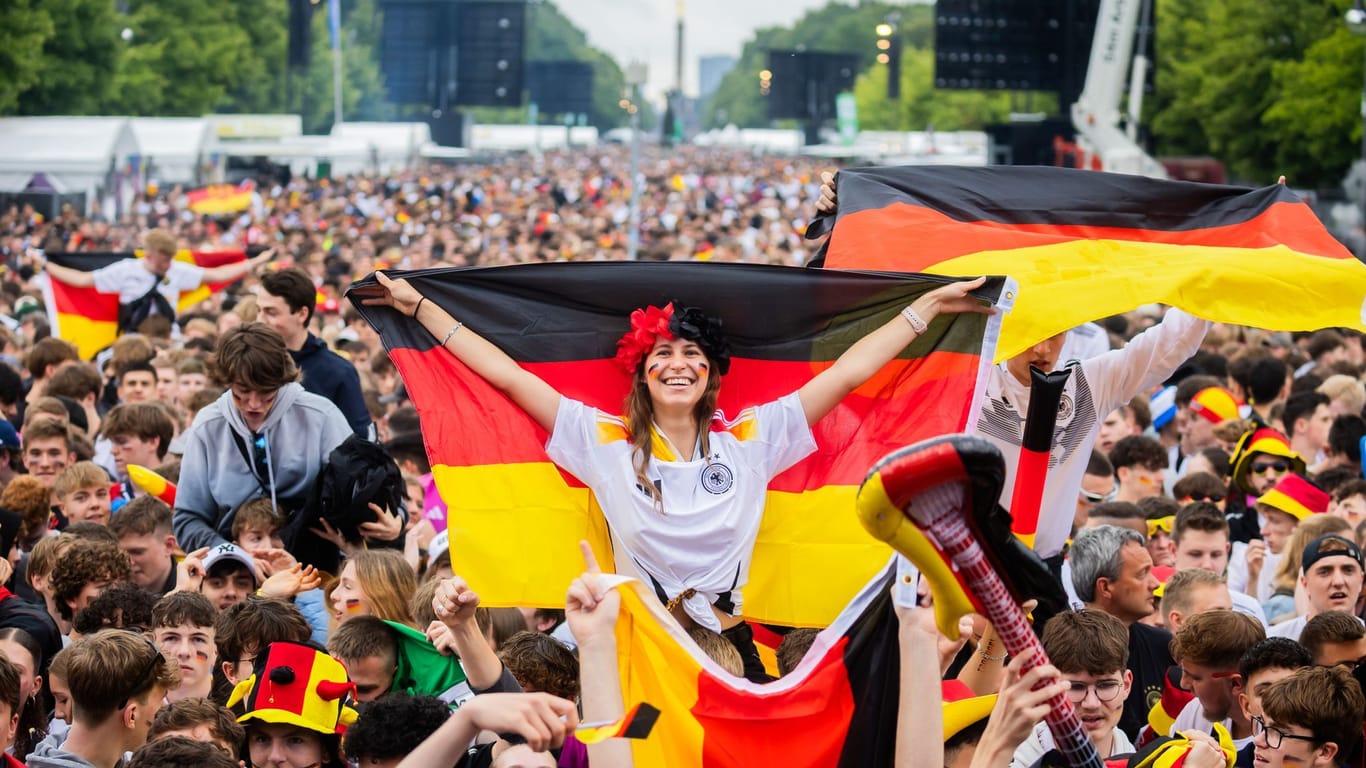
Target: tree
{"x":182,"y":59}
{"x":257,"y":84}
{"x":22,"y":36}
{"x":1268,"y":88}
{"x":363,"y":96}
{"x":77,"y":59}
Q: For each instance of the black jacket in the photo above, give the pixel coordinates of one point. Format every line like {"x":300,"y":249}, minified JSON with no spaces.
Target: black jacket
{"x":329,"y":375}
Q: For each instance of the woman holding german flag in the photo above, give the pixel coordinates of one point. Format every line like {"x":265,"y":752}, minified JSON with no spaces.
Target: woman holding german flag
{"x":682,"y":491}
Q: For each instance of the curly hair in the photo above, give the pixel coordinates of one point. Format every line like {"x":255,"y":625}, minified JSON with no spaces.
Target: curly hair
{"x":28,"y":496}
{"x":86,"y":562}
{"x":393,"y":726}
{"x":540,"y":663}
{"x":121,"y":606}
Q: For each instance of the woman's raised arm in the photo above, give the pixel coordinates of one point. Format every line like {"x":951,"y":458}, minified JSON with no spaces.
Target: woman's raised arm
{"x":526,"y":389}
{"x":867,"y":356}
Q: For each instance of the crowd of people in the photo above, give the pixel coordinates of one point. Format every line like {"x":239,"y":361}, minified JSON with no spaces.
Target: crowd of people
{"x":1205,"y":512}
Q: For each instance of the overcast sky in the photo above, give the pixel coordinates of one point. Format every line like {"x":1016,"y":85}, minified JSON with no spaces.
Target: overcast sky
{"x":644,"y":30}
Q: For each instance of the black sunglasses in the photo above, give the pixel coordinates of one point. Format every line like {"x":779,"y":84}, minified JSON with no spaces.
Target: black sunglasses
{"x":1213,"y":498}
{"x":1279,"y":466}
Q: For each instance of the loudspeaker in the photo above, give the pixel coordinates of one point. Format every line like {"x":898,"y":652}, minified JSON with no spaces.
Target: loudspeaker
{"x":560,"y":87}
{"x":489,"y":38}
{"x":407,"y":56}
{"x":300,"y":32}
{"x":449,"y":128}
{"x":805,"y":83}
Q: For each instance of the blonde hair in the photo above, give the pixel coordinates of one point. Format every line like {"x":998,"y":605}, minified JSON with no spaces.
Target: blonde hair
{"x":1342,"y":387}
{"x":78,"y":476}
{"x":388,"y":583}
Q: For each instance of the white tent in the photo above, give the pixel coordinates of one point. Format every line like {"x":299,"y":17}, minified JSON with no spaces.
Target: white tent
{"x":90,"y":155}
{"x":173,"y":149}
{"x":394,"y":146}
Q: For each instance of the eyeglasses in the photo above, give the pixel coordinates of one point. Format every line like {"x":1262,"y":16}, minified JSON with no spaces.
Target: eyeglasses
{"x":1213,"y":498}
{"x":1279,"y":466}
{"x":149,"y":669}
{"x":1097,"y":498}
{"x":1106,"y":690}
{"x":1275,"y":735}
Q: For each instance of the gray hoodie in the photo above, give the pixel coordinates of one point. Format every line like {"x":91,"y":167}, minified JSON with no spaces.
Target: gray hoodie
{"x":49,"y":754}
{"x":215,"y":477}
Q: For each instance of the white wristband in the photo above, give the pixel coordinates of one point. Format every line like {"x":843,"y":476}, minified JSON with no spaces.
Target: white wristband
{"x":458,"y":325}
{"x":917,"y":322}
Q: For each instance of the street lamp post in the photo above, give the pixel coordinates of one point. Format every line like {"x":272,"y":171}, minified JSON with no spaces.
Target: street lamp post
{"x":636,"y":74}
{"x":1356,"y":21}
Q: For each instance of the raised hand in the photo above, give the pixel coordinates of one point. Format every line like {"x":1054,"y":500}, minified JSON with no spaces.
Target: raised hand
{"x":454,"y":602}
{"x":387,"y":526}
{"x":591,"y":607}
{"x":398,"y":294}
{"x":287,"y":583}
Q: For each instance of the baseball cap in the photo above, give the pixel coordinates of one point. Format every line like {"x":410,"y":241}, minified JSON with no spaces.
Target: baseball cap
{"x":9,"y":437}
{"x":1216,"y":404}
{"x":1328,"y":545}
{"x":224,"y":553}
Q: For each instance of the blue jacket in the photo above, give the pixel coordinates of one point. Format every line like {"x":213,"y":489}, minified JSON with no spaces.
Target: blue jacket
{"x":329,"y":375}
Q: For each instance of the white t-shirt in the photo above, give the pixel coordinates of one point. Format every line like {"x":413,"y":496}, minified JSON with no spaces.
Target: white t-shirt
{"x":1192,"y":718}
{"x":1097,"y":386}
{"x":131,"y":280}
{"x":1040,"y":743}
{"x":704,"y":537}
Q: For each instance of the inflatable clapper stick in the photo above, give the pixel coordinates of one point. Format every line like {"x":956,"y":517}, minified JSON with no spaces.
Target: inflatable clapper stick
{"x":935,"y":503}
{"x":152,"y":484}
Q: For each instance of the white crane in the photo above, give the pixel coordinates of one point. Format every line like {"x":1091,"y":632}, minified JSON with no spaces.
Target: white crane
{"x":1106,"y":137}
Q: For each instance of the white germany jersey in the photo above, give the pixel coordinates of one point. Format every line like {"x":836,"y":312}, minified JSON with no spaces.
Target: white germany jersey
{"x":704,"y":537}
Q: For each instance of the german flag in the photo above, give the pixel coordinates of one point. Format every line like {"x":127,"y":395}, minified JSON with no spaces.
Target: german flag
{"x":90,"y":319}
{"x":221,"y":199}
{"x":1084,"y":245}
{"x":837,"y":708}
{"x":515,"y":517}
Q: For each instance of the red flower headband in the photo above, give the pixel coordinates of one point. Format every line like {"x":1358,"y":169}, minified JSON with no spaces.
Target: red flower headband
{"x":648,"y":326}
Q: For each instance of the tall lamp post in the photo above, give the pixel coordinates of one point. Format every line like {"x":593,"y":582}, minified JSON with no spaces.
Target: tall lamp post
{"x":1356,"y":21}
{"x":636,"y":75}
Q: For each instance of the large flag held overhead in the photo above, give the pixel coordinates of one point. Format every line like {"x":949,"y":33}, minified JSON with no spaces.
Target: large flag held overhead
{"x":837,"y":708}
{"x":1084,"y":245}
{"x":90,"y":319}
{"x":515,"y":518}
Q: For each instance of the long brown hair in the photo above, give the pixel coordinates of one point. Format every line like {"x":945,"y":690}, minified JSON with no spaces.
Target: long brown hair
{"x":640,"y":417}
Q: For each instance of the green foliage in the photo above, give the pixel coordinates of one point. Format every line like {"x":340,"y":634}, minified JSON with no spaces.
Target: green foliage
{"x":1268,"y":88}
{"x":26,"y":26}
{"x":182,"y":59}
{"x":362,"y":87}
{"x":78,"y":58}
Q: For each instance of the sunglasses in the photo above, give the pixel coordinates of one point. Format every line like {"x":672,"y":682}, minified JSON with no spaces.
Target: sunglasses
{"x":1279,"y":466}
{"x":1213,"y":498}
{"x":1163,"y":524}
{"x":1097,"y":498}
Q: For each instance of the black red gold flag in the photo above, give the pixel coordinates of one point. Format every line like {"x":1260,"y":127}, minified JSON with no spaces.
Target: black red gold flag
{"x":515,"y":518}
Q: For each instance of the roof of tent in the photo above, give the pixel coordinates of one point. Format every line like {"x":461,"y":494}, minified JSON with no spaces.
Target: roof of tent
{"x":387,"y":137}
{"x":64,"y":144}
{"x":171,"y":136}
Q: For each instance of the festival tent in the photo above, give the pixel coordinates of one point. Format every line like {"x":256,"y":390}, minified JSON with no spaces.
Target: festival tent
{"x":393,"y":146}
{"x":90,"y":156}
{"x":174,"y":149}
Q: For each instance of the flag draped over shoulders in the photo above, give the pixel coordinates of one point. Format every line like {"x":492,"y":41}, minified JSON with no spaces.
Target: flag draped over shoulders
{"x":838,"y":707}
{"x":90,"y":319}
{"x":514,"y":517}
{"x":1085,"y":245}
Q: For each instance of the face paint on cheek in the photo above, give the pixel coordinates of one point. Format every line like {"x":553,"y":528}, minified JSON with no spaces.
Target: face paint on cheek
{"x":701,"y":372}
{"x":353,"y":605}
{"x":201,"y":657}
{"x":654,"y":370}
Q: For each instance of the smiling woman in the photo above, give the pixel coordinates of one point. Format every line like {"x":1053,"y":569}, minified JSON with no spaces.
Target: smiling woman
{"x":681,"y":488}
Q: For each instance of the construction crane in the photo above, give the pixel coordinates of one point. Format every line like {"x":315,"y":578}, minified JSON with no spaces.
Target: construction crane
{"x":1107,"y":137}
